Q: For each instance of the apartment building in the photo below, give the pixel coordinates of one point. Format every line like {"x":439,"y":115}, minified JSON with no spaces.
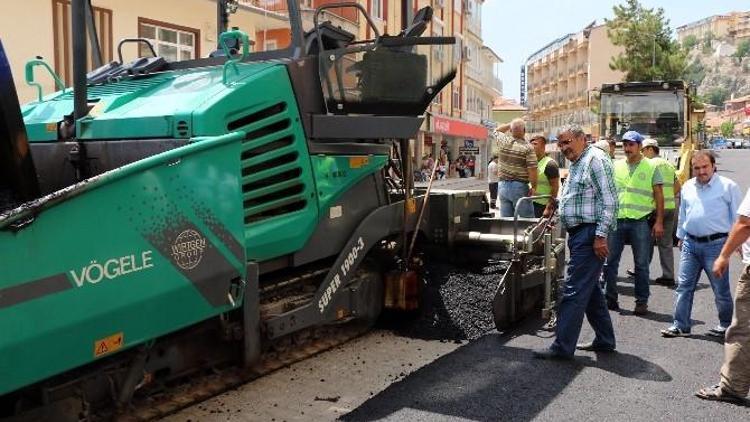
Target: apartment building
{"x":457,"y":121}
{"x":734,"y":24}
{"x":740,"y":29}
{"x":560,"y":76}
{"x":187,"y":29}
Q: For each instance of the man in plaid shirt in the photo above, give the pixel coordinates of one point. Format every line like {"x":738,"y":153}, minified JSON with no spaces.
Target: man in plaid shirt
{"x":588,"y":210}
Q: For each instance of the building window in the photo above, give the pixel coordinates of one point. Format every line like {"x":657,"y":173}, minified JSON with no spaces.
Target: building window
{"x":437,"y":31}
{"x":63,"y":42}
{"x":174,"y":43}
{"x":376,"y":9}
{"x":271,"y":45}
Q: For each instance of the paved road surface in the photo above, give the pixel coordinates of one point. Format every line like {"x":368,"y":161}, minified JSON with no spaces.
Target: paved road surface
{"x":495,"y":377}
{"x":651,"y":378}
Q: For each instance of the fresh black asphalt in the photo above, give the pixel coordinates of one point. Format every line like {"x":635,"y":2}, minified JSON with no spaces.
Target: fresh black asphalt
{"x":649,"y":378}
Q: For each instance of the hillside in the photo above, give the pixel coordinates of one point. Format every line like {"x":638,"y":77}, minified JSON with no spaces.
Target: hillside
{"x":716,"y":70}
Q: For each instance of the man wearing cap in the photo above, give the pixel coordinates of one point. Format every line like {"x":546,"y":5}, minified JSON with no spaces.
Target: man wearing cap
{"x":641,"y":199}
{"x":517,"y":165}
{"x":708,"y":209}
{"x":671,"y":188}
{"x":547,"y":177}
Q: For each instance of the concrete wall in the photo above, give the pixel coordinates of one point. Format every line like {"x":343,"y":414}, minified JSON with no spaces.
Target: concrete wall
{"x":505,"y":116}
{"x":601,"y":51}
{"x":17,"y":21}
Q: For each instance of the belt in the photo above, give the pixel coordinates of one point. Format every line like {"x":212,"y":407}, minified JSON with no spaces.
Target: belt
{"x":634,"y":219}
{"x":710,"y":237}
{"x":575,"y":229}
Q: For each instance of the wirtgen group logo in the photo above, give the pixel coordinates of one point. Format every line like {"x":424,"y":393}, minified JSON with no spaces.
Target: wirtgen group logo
{"x":187,"y":249}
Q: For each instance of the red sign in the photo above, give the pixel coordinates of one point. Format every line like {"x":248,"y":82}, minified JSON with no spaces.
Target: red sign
{"x":458,"y":128}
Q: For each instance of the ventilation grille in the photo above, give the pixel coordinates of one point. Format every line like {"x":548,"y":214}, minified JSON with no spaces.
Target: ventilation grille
{"x":182,"y":128}
{"x":123,"y":87}
{"x":272,"y":182}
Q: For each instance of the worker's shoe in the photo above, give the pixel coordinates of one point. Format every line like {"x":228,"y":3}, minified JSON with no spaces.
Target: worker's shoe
{"x":717,"y":331}
{"x":715,"y":392}
{"x":612,"y":305}
{"x":669,"y":282}
{"x":549,"y":354}
{"x":674,"y":332}
{"x":640,"y":309}
{"x":593,"y":347}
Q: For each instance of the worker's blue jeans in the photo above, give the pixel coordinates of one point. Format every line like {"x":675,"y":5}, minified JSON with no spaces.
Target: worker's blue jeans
{"x":509,"y":192}
{"x":694,"y":258}
{"x":582,"y":295}
{"x":638,"y":234}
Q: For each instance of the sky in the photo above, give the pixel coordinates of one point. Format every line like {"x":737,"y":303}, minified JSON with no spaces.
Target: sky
{"x":515,"y":29}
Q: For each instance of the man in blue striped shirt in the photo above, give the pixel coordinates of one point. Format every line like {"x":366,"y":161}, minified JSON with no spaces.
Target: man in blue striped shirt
{"x":588,"y":206}
{"x":708,"y":208}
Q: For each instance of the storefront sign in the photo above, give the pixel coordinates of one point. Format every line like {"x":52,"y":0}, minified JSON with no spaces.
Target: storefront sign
{"x":469,"y":147}
{"x":458,"y":128}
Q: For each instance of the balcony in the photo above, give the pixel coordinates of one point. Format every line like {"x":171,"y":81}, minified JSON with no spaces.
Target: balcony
{"x":472,"y":117}
{"x":473,"y":73}
{"x":475,"y":26}
{"x":278,"y":6}
{"x":497,"y":85}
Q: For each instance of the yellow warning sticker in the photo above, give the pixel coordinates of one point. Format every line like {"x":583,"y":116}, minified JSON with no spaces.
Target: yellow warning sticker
{"x":51,"y":127}
{"x":358,"y":162}
{"x":108,"y":344}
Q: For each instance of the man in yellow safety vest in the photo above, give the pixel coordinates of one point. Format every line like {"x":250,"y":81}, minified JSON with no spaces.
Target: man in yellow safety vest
{"x":547,"y":178}
{"x":671,"y":188}
{"x":641,"y":201}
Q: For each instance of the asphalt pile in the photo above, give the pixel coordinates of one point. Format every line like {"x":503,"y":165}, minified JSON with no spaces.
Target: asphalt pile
{"x":456,"y":303}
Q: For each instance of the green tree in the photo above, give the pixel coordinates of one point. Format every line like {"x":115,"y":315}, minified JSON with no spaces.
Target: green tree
{"x":743,"y":49}
{"x":717,"y":96}
{"x":695,"y":72}
{"x":727,"y":129}
{"x":689,"y":42}
{"x":650,"y":52}
{"x":707,"y":39}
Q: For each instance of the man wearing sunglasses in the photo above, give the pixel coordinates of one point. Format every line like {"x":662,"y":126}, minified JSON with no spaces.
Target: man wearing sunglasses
{"x":588,"y":208}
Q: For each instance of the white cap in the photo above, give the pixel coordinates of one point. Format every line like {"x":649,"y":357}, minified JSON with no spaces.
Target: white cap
{"x":649,"y":142}
{"x":603,"y":145}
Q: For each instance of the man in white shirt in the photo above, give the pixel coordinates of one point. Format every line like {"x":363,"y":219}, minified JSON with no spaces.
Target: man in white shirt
{"x":735,"y":372}
{"x":492,"y":179}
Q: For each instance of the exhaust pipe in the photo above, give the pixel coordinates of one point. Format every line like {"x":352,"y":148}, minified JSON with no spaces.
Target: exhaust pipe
{"x":80,"y":97}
